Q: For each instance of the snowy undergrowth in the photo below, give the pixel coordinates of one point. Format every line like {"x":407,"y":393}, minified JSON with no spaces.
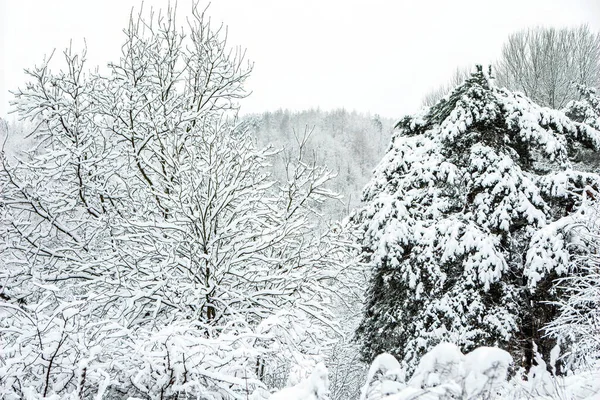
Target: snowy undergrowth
{"x":484,"y":373}
{"x":446,"y":373}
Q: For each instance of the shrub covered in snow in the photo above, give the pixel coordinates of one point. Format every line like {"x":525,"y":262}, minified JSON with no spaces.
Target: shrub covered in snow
{"x":315,"y":387}
{"x":443,"y":372}
{"x":385,"y":377}
{"x":578,"y":321}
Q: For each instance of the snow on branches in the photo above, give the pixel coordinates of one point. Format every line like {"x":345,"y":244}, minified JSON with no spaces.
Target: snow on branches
{"x":466,"y":223}
{"x":146,"y":242}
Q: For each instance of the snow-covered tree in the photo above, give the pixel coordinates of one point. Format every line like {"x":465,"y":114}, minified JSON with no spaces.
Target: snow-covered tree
{"x":578,"y":321}
{"x":315,"y":387}
{"x":465,"y":225}
{"x":146,"y":248}
{"x":585,"y":110}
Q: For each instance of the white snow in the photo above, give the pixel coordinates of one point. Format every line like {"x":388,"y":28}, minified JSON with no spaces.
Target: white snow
{"x":315,"y":387}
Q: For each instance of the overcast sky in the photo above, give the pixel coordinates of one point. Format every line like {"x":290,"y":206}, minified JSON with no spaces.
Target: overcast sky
{"x":371,"y":56}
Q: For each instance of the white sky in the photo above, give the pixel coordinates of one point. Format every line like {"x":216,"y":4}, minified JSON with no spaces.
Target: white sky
{"x":371,"y":56}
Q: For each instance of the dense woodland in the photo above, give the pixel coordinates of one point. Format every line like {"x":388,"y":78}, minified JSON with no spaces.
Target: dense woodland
{"x":158,"y":243}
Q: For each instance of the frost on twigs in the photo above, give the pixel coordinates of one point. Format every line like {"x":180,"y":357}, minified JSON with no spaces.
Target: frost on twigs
{"x":578,"y":321}
{"x":468,"y":220}
{"x":147,"y":251}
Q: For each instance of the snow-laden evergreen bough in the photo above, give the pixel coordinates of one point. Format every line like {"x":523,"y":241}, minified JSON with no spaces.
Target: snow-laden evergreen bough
{"x":468,"y":221}
{"x":146,"y":250}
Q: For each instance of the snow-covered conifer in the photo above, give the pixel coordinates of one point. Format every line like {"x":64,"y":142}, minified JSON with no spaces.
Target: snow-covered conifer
{"x":465,"y":224}
{"x":587,"y":109}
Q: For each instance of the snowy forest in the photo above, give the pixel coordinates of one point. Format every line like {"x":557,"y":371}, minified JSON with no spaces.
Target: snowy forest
{"x":160,"y":243}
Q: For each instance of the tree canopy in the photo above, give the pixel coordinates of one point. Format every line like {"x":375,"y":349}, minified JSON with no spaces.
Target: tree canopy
{"x":147,"y":249}
{"x":465,"y":224}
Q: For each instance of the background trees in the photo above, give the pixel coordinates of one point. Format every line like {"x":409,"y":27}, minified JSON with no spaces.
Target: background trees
{"x":547,"y":63}
{"x":350,"y":143}
{"x":458,"y":77}
{"x":148,"y":249}
{"x":465,"y":224}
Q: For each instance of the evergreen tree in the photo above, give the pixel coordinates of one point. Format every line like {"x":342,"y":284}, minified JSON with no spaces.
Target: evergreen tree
{"x":587,"y":108}
{"x":465,"y":224}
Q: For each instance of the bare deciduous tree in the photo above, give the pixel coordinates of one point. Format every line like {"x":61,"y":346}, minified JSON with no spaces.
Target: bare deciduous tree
{"x":546,"y":64}
{"x":145,"y":243}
